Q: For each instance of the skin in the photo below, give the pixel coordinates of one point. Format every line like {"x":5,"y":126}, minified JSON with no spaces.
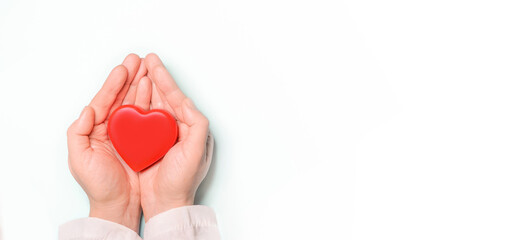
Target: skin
{"x":116,"y":193}
{"x":173,"y":181}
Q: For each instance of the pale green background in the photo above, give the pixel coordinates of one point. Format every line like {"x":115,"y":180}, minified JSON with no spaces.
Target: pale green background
{"x":333,"y":119}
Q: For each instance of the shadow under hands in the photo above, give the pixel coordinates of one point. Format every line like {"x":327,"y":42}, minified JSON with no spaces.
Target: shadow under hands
{"x":205,"y":187}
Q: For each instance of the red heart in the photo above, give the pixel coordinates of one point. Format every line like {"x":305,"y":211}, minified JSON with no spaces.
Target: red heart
{"x":141,"y":138}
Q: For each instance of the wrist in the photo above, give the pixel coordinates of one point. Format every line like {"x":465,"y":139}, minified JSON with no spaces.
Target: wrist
{"x":156,"y":207}
{"x":124,"y":214}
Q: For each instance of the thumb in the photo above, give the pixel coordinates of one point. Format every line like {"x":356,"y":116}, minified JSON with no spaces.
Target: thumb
{"x":78,"y":132}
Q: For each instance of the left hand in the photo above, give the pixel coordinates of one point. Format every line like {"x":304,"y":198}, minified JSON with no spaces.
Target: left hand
{"x":173,"y":181}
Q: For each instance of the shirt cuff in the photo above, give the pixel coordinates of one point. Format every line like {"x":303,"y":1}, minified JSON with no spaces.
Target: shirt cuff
{"x":95,"y":228}
{"x":190,"y":222}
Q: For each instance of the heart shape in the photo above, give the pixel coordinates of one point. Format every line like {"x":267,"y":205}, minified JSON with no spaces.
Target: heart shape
{"x":140,"y":137}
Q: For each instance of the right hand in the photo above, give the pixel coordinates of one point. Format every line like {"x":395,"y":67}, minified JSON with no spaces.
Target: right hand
{"x":112,"y":187}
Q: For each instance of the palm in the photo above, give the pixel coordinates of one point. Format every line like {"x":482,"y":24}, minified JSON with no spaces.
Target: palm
{"x":168,"y":175}
{"x":112,"y":179}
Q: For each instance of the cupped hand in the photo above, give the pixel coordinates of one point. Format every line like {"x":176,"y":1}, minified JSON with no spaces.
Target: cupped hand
{"x":173,"y":181}
{"x":112,"y":187}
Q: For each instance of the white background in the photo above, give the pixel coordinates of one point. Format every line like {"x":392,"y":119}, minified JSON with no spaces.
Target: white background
{"x":333,"y":119}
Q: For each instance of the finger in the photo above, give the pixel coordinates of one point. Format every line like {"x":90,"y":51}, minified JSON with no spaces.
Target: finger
{"x":156,"y":101}
{"x":143,"y":94}
{"x":78,"y":132}
{"x":163,"y":101}
{"x":164,"y":82}
{"x":103,"y":101}
{"x":130,"y":97}
{"x":198,"y":127}
{"x":132,"y":62}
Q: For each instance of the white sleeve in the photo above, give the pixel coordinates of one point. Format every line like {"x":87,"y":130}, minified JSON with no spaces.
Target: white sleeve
{"x":95,"y":229}
{"x":184,"y":223}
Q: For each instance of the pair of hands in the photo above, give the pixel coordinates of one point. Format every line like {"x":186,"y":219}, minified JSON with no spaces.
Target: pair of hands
{"x":115,"y":192}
